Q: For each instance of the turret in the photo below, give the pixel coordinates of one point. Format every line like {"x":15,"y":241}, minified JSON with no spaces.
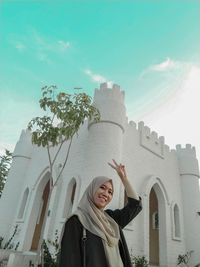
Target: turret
{"x":189,"y":174}
{"x":110,"y":102}
{"x":13,"y":189}
{"x":105,"y":137}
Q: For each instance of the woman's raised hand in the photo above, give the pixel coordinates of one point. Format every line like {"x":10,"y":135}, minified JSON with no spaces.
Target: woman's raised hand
{"x":120,"y":169}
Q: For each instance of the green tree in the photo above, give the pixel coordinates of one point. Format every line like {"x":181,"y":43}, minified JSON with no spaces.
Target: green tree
{"x":5,"y":162}
{"x":71,"y":110}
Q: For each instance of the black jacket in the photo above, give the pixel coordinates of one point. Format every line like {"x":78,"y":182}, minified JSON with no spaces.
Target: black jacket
{"x":72,"y":244}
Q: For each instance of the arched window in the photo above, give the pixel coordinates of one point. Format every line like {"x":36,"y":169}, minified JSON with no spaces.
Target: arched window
{"x":69,"y":199}
{"x":176,"y":221}
{"x":23,"y":204}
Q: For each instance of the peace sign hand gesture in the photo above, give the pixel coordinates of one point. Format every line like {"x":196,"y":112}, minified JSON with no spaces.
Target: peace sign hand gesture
{"x":120,"y":169}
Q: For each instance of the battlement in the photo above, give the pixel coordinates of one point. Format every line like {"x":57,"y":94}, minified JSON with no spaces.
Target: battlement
{"x":25,"y":135}
{"x":113,"y":93}
{"x":150,"y":140}
{"x":188,"y":163}
{"x":188,"y":150}
{"x":133,"y":124}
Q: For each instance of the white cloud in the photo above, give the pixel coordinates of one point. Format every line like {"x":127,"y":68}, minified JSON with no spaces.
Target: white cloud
{"x":98,"y":78}
{"x":45,"y":46}
{"x":20,"y":47}
{"x":176,"y":116}
{"x":165,"y":65}
{"x":43,"y":57}
{"x":45,"y":43}
{"x":40,"y":45}
{"x":63,"y":45}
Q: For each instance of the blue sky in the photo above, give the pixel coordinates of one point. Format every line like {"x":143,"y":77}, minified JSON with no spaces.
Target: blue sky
{"x":150,"y":48}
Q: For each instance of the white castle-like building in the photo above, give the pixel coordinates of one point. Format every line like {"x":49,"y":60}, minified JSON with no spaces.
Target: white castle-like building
{"x":167,"y":181}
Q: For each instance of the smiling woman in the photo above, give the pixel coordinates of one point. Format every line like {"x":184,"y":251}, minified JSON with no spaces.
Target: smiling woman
{"x":93,"y":237}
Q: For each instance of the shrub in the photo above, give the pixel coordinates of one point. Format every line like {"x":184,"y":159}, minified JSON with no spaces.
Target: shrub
{"x":139,"y":261}
{"x":9,"y":244}
{"x":51,"y":259}
{"x":184,"y":259}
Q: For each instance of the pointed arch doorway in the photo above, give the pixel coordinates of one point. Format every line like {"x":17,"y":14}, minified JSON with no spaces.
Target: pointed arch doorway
{"x":158,"y":200}
{"x":40,"y":217}
{"x":153,"y":229}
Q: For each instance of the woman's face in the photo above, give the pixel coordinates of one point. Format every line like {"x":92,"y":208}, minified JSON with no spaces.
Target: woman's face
{"x":103,"y":195}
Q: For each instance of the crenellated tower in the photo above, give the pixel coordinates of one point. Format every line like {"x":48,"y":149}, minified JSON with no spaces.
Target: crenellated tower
{"x":13,"y":187}
{"x":189,"y":174}
{"x":105,"y":137}
{"x":110,"y":102}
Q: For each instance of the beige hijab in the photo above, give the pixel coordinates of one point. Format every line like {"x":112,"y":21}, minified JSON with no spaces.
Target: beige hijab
{"x":99,"y":222}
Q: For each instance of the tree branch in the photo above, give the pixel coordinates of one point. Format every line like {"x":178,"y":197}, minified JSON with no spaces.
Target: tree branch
{"x":50,"y":164}
{"x":53,"y":118}
{"x":64,"y":161}
{"x":58,"y":152}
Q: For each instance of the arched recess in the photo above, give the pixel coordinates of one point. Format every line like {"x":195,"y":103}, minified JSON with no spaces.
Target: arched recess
{"x":176,"y":229}
{"x":151,"y":180}
{"x":161,"y":194}
{"x":154,"y":258}
{"x":36,"y":217}
{"x":71,"y":194}
{"x":23,"y":205}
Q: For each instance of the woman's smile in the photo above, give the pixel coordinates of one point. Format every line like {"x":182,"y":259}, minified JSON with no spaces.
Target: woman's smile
{"x":102,"y":198}
{"x":103,"y":195}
